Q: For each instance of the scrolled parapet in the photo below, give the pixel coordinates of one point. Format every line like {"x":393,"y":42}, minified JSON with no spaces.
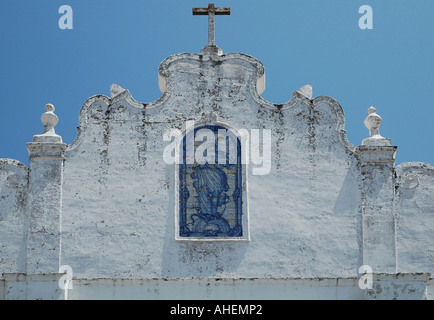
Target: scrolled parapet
{"x":339,"y":125}
{"x":252,"y":84}
{"x":256,"y":86}
{"x":257,"y":82}
{"x":96,"y":106}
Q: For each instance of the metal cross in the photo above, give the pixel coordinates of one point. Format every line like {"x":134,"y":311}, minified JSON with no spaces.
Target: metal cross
{"x":211,"y":11}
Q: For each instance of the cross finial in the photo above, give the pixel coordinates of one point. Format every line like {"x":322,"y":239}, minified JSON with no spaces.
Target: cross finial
{"x":211,"y":11}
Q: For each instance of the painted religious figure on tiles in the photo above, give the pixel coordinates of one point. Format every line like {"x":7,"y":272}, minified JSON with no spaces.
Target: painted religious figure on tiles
{"x":210,"y":184}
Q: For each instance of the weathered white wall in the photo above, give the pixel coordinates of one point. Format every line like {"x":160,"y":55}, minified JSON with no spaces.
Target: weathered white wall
{"x":13,"y":215}
{"x":385,"y":287}
{"x":31,"y":287}
{"x":325,"y":208}
{"x":415,"y":217}
{"x":118,"y":195}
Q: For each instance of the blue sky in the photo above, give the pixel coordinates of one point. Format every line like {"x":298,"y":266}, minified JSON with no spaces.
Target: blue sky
{"x":299,"y":42}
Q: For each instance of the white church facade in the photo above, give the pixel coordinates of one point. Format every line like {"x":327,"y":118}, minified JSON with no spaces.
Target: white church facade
{"x":212,"y":192}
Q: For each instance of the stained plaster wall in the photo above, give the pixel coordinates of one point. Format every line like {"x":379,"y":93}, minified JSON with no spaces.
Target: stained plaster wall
{"x":118,"y":194}
{"x":315,"y":215}
{"x":13,"y":215}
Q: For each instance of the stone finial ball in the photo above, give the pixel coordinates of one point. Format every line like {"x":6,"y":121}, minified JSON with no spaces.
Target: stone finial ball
{"x":373,"y":120}
{"x":49,"y":118}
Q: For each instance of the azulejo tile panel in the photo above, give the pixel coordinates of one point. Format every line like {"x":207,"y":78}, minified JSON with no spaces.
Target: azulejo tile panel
{"x":210,"y":185}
